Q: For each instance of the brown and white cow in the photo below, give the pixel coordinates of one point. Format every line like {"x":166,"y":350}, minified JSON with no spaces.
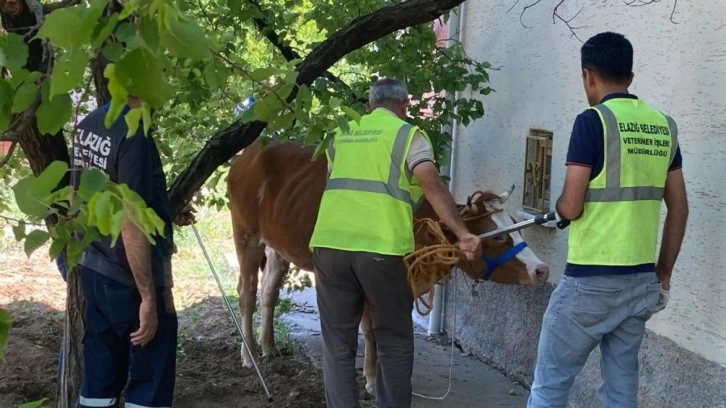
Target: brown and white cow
{"x":274,"y":196}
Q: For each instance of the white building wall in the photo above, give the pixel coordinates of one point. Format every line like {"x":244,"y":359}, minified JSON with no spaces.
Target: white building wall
{"x":679,"y":68}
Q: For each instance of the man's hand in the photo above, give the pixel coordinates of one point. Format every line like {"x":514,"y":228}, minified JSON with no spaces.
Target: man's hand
{"x":665,"y":296}
{"x":185,"y":216}
{"x":471,"y":245}
{"x":148,"y":322}
{"x":561,"y":221}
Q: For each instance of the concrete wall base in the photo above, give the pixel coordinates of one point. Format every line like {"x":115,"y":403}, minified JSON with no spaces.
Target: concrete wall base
{"x":501,"y":325}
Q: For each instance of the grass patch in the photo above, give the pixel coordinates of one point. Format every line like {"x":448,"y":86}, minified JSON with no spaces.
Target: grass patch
{"x":215,"y":229}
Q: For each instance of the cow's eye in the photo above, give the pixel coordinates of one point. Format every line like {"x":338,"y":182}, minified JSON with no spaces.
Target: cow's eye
{"x":500,"y":238}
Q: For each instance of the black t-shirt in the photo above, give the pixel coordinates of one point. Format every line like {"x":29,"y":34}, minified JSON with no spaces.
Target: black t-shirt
{"x":133,"y":161}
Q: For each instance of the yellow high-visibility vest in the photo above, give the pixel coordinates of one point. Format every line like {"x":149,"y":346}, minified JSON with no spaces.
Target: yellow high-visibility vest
{"x":621,"y":217}
{"x":370,"y":197}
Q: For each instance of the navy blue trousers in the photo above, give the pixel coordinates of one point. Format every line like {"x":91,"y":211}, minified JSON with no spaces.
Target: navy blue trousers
{"x":110,"y":361}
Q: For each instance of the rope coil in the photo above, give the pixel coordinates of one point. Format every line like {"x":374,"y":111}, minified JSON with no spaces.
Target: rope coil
{"x":428,"y":264}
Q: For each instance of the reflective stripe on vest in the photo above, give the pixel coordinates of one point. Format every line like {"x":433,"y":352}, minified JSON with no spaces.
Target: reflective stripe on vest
{"x":612,"y":191}
{"x":390,"y":188}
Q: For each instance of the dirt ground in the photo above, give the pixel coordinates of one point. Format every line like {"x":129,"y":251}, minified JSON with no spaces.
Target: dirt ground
{"x":209,"y":372}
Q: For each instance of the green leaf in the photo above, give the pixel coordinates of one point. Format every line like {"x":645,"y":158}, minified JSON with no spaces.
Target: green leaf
{"x":35,"y":404}
{"x":4,"y":330}
{"x":92,"y":181}
{"x":19,"y":231}
{"x":125,"y":32}
{"x":186,"y":39}
{"x":24,"y":97}
{"x":117,"y":222}
{"x":149,"y":33}
{"x":27,"y":202}
{"x":6,"y":98}
{"x":234,"y":5}
{"x":57,"y":245}
{"x":103,"y":30}
{"x":13,"y":51}
{"x":132,"y":119}
{"x":118,"y":95}
{"x":89,"y":20}
{"x":102,"y":209}
{"x":281,"y":122}
{"x":351,"y":113}
{"x":35,"y":240}
{"x":61,"y":27}
{"x":31,"y":192}
{"x":50,"y":177}
{"x":141,"y":74}
{"x":113,"y":51}
{"x":146,"y":118}
{"x":262,"y":74}
{"x":266,"y":108}
{"x":68,"y":71}
{"x":215,"y":74}
{"x":54,"y":113}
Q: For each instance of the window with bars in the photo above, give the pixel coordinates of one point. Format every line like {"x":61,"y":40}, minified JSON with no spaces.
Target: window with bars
{"x":537,"y":170}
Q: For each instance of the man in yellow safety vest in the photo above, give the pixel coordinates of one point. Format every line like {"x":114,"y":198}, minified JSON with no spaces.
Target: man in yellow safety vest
{"x":623,"y":160}
{"x":380,"y":170}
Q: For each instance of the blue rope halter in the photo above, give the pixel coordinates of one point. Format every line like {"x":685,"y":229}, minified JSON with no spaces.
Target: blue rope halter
{"x":494,"y":263}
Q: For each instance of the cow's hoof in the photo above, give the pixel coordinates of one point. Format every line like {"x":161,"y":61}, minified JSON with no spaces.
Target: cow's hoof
{"x":371,"y":388}
{"x":246,"y":360}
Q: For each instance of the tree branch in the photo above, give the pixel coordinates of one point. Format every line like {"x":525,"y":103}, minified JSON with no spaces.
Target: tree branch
{"x":47,"y":8}
{"x":640,"y":3}
{"x":363,"y":30}
{"x":287,"y":52}
{"x":524,"y":10}
{"x":556,"y":15}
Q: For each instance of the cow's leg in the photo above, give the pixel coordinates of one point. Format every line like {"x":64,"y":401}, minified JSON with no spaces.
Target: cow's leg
{"x":371,"y":357}
{"x":275,"y":271}
{"x":249,"y":254}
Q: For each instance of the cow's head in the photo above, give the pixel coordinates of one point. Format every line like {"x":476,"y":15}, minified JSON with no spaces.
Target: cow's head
{"x":506,"y":258}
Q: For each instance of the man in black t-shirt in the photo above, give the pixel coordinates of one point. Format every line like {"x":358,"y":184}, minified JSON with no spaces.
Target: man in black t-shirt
{"x":130,"y":320}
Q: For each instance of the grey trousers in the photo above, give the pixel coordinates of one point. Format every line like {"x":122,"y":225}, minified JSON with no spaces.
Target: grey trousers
{"x":344,"y":281}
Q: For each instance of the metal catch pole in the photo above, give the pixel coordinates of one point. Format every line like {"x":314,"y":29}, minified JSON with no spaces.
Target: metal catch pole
{"x":538,"y":220}
{"x":231,"y":312}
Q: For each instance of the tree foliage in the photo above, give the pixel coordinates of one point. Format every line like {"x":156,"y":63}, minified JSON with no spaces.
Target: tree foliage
{"x":193,"y":63}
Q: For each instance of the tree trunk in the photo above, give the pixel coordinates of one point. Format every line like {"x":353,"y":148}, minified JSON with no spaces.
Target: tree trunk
{"x":40,"y":150}
{"x":71,"y":373}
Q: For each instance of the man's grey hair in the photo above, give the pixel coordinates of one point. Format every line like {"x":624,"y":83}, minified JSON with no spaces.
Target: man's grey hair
{"x":387,"y":91}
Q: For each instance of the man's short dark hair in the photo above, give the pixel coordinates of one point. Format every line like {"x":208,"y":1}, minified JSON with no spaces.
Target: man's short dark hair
{"x":610,"y":55}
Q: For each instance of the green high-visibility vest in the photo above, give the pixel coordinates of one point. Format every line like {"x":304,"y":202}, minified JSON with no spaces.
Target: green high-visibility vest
{"x":370,"y":197}
{"x":620,"y":221}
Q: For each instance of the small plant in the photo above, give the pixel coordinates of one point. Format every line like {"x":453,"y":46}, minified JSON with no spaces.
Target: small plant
{"x":297,"y":280}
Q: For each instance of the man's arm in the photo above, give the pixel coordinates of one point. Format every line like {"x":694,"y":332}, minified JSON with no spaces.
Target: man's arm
{"x":572,"y":200}
{"x":138,"y":253}
{"x":440,"y":199}
{"x":135,"y":166}
{"x":675,"y":225}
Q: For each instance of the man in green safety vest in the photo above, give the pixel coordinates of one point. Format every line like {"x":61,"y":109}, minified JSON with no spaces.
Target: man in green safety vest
{"x":623,"y":160}
{"x":379,"y":172}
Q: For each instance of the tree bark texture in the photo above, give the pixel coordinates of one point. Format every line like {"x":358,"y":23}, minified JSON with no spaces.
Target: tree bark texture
{"x":71,"y":369}
{"x":18,"y":16}
{"x":363,"y":30}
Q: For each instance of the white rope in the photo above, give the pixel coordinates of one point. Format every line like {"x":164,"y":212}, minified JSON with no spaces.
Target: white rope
{"x":451,"y":362}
